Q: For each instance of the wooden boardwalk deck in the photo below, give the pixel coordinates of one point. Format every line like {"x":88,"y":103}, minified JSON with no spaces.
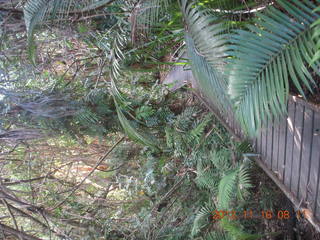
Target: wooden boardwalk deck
{"x":289,"y":148}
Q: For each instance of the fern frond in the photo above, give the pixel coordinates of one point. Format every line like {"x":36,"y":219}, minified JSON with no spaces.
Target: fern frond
{"x":226,"y":189}
{"x":278,"y":47}
{"x":244,"y":181}
{"x":197,"y":132}
{"x":86,"y":116}
{"x":221,"y":159}
{"x":236,"y":231}
{"x":217,"y":235}
{"x":208,"y":179}
{"x":243,"y":147}
{"x":201,"y":219}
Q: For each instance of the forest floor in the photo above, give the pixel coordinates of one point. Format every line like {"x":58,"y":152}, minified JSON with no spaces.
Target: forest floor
{"x":271,"y":197}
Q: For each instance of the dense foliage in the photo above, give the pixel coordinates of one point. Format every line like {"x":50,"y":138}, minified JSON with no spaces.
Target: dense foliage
{"x":95,"y":146}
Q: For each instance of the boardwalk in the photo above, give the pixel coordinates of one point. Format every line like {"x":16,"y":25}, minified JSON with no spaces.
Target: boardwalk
{"x":289,"y":148}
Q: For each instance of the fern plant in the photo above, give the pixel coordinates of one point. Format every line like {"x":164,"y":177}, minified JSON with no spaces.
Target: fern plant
{"x":276,"y":49}
{"x":217,"y":235}
{"x":201,"y":218}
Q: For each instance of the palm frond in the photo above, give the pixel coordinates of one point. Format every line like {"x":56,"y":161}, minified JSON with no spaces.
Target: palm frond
{"x":116,"y":54}
{"x":206,"y":40}
{"x":316,"y":37}
{"x":39,"y":11}
{"x":243,"y":147}
{"x":91,"y":120}
{"x":276,"y":49}
{"x":132,"y":131}
{"x":145,"y":15}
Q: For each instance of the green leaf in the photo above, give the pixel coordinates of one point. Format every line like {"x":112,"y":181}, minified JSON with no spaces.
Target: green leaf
{"x":277,"y":49}
{"x":206,"y":44}
{"x":226,"y":189}
{"x":132,"y":131}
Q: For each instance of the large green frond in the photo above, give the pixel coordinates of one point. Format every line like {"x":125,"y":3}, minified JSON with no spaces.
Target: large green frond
{"x":234,"y":184}
{"x":206,"y":40}
{"x":221,"y":159}
{"x":202,"y":218}
{"x":197,"y":132}
{"x":145,"y":15}
{"x":276,"y":49}
{"x":132,"y":132}
{"x":316,"y":36}
{"x":37,"y":12}
{"x":226,"y":189}
{"x":244,"y":181}
{"x":235,"y":230}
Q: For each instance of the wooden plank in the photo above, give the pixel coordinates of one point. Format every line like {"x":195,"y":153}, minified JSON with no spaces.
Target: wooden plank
{"x":301,"y":101}
{"x":297,"y":148}
{"x":313,"y":188}
{"x":263,"y":143}
{"x":282,"y":147}
{"x":306,"y":153}
{"x":269,"y":147}
{"x":255,"y":143}
{"x":276,"y":133}
{"x":232,"y":121}
{"x":289,"y":147}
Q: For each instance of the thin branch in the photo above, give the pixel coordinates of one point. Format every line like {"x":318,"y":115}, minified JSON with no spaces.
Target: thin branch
{"x":48,"y":175}
{"x":90,"y":173}
{"x":10,"y":213}
{"x":17,"y":233}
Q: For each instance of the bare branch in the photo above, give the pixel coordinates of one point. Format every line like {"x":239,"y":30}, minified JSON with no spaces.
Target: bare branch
{"x":17,"y":233}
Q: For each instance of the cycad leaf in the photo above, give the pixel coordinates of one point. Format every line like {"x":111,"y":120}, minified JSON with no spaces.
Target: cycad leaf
{"x":132,"y":132}
{"x":278,"y":48}
{"x":145,"y":15}
{"x":205,"y":40}
{"x":38,"y":11}
{"x":316,"y":37}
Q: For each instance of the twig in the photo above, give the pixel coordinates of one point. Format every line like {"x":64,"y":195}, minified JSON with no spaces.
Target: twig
{"x":48,"y":175}
{"x":10,"y":213}
{"x":90,"y":173}
{"x":17,"y":233}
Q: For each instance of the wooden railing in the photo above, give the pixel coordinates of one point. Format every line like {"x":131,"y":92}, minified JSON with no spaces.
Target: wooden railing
{"x":289,"y":149}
